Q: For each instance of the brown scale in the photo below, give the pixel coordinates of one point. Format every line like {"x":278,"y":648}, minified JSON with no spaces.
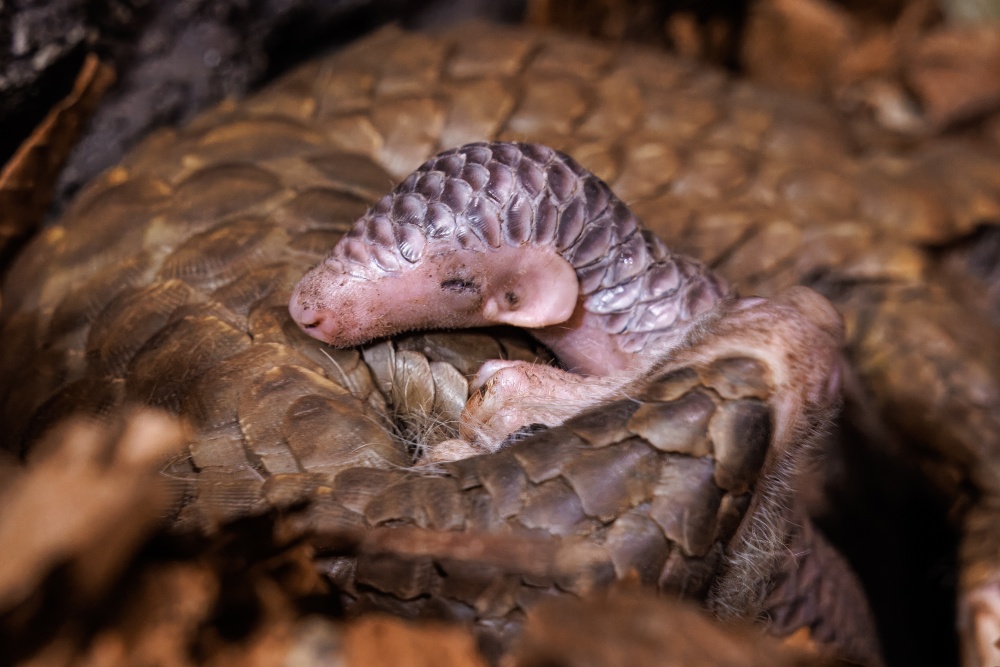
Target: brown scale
{"x":270,"y":402}
{"x":319,"y":209}
{"x":76,"y":313}
{"x":196,"y":204}
{"x":220,"y":254}
{"x":254,"y":285}
{"x":768,"y":189}
{"x":163,"y":369}
{"x":257,"y":139}
{"x":133,"y":317}
{"x":228,"y":380}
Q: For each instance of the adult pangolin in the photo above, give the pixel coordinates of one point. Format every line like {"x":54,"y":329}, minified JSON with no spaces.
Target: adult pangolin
{"x":167,"y":283}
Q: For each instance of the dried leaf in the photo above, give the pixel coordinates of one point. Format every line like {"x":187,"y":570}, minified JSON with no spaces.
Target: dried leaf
{"x":28,"y":179}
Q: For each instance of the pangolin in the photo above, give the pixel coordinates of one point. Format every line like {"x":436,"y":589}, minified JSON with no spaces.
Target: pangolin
{"x":167,"y":283}
{"x":497,"y":233}
{"x":518,"y":234}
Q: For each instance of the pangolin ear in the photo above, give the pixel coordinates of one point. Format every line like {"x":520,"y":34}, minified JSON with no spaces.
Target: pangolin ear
{"x":533,"y":296}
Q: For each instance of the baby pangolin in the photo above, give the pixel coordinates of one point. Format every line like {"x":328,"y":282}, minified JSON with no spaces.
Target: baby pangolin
{"x":520,"y":234}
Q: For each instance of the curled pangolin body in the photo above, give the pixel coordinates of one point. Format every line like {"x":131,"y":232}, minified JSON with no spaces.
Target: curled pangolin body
{"x":170,"y":288}
{"x":468,"y":213}
{"x":480,"y":200}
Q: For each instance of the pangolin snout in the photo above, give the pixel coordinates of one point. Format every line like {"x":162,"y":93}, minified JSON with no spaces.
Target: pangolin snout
{"x":313,"y":320}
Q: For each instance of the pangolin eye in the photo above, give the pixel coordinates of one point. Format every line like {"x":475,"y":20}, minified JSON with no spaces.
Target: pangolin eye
{"x":460,"y":285}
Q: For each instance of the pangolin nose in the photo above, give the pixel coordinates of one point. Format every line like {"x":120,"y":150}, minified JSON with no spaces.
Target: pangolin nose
{"x":309,"y":319}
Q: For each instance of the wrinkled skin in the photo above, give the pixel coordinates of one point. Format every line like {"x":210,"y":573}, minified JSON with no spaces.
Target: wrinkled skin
{"x":167,"y":283}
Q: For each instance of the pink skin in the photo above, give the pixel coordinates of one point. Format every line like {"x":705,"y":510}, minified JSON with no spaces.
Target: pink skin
{"x":531,"y":287}
{"x":508,"y":395}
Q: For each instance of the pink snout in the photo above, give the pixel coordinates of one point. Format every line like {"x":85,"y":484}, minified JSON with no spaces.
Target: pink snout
{"x":315,"y":322}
